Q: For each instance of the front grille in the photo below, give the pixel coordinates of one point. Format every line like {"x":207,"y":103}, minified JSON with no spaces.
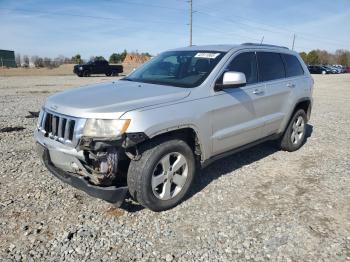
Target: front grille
{"x":58,"y":127}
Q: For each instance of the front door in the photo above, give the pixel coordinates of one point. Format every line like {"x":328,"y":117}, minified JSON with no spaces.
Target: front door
{"x":235,"y":117}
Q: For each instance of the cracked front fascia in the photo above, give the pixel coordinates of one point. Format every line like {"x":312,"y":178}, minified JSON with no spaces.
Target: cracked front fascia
{"x":125,"y":141}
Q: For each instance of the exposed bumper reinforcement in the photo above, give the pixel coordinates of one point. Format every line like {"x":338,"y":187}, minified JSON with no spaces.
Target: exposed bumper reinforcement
{"x":112,"y":194}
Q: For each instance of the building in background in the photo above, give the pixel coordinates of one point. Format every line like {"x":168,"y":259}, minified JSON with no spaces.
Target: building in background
{"x":7,"y":58}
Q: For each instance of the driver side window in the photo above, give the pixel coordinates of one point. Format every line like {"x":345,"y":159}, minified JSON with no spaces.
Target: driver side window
{"x":245,"y":63}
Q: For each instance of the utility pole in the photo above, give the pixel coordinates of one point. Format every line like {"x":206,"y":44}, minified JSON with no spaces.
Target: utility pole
{"x":262,"y":40}
{"x":191,"y":13}
{"x":293,"y":42}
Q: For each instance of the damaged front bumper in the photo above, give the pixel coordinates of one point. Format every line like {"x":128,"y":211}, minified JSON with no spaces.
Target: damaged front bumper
{"x":66,"y":163}
{"x":94,"y":165}
{"x":111,"y":194}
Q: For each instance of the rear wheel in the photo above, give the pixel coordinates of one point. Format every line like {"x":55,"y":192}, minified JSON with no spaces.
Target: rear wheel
{"x":163,"y":175}
{"x":108,"y":74}
{"x":294,"y":136}
{"x":114,"y":73}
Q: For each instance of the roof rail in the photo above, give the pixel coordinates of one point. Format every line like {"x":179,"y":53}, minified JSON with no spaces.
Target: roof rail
{"x":265,"y":45}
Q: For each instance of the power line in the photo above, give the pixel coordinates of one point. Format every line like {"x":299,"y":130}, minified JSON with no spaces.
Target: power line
{"x":275,"y":29}
{"x":80,"y":15}
{"x":226,"y":33}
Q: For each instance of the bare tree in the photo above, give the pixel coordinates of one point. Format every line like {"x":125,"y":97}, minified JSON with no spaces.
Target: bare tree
{"x":18,"y":59}
{"x":342,"y":57}
{"x":38,"y":61}
{"x":47,"y":62}
{"x":25,"y":61}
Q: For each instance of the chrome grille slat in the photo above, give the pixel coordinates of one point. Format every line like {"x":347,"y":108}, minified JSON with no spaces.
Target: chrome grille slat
{"x":64,"y":129}
{"x":59,"y":133}
{"x":54,"y":125}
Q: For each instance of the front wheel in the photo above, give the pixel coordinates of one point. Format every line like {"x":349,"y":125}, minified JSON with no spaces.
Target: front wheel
{"x":163,"y":175}
{"x":294,"y":136}
{"x":86,"y":73}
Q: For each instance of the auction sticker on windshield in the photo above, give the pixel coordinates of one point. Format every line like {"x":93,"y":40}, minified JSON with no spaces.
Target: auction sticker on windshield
{"x":207,"y":55}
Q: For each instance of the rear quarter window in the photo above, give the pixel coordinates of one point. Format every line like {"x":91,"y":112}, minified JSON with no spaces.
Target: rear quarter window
{"x":293,"y":66}
{"x":271,"y":66}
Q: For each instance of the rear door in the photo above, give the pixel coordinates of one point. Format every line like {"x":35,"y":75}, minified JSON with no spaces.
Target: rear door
{"x":278,"y":88}
{"x":234,"y":116}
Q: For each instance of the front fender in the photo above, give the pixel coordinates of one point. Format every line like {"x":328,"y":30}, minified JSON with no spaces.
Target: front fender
{"x":157,"y":121}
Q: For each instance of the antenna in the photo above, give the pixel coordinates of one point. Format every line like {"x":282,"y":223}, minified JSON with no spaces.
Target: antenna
{"x":262,"y":40}
{"x":293,"y":42}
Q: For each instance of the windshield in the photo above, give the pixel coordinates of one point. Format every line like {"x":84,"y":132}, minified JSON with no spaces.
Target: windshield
{"x":177,"y":68}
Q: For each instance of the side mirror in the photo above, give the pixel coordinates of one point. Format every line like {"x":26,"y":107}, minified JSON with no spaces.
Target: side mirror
{"x":231,"y":80}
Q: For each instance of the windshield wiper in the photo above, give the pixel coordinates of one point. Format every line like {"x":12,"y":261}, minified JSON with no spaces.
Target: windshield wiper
{"x":127,"y":79}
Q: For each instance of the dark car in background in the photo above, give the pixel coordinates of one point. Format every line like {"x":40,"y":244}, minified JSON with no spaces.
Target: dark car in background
{"x":317,"y":69}
{"x":97,"y":67}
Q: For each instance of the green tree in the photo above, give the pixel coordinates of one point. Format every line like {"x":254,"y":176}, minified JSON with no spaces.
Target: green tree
{"x":312,"y":58}
{"x":303,"y":55}
{"x":115,"y":58}
{"x":123,"y":55}
{"x":146,"y":54}
{"x":99,"y":58}
{"x":77,"y":59}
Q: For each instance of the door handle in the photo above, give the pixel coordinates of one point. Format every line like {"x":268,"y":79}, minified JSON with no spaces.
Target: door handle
{"x":258,"y":92}
{"x":290,"y":85}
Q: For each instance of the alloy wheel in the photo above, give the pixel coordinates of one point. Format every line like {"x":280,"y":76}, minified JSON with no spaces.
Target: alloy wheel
{"x":297,"y":130}
{"x":169,"y":176}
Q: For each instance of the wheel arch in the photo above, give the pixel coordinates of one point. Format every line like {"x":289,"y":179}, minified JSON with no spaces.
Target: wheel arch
{"x":304,"y":103}
{"x":189,"y":133}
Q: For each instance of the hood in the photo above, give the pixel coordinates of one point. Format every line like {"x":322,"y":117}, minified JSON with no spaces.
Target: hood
{"x":111,"y":100}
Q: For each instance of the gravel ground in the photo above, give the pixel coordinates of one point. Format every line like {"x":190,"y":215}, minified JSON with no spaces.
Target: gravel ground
{"x":260,"y":204}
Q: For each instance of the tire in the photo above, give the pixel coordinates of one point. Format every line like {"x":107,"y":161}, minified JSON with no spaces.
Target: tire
{"x":86,"y":73}
{"x":114,"y":73}
{"x":147,"y":180}
{"x":295,"y":133}
{"x":108,"y":74}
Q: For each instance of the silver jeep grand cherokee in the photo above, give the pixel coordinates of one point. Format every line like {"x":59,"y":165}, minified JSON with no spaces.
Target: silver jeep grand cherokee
{"x":149,"y":132}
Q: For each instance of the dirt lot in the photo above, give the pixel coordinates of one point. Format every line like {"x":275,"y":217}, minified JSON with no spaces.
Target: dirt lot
{"x":260,"y":204}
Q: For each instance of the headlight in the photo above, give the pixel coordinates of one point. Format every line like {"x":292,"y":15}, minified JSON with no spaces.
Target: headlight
{"x":40,"y":118}
{"x":80,"y":68}
{"x":105,"y":127}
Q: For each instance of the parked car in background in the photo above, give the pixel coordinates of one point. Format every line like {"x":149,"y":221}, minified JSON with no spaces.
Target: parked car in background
{"x":317,"y":69}
{"x":334,"y":69}
{"x":97,"y":67}
{"x":341,"y":68}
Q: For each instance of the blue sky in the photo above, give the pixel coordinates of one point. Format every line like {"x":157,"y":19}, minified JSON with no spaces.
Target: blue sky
{"x":52,"y":28}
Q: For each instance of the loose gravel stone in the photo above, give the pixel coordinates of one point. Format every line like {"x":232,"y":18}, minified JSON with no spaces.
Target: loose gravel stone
{"x":260,"y":204}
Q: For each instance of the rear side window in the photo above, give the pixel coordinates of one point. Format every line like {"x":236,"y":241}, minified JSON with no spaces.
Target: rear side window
{"x":245,"y":63}
{"x":293,"y":66}
{"x":271,"y":66}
